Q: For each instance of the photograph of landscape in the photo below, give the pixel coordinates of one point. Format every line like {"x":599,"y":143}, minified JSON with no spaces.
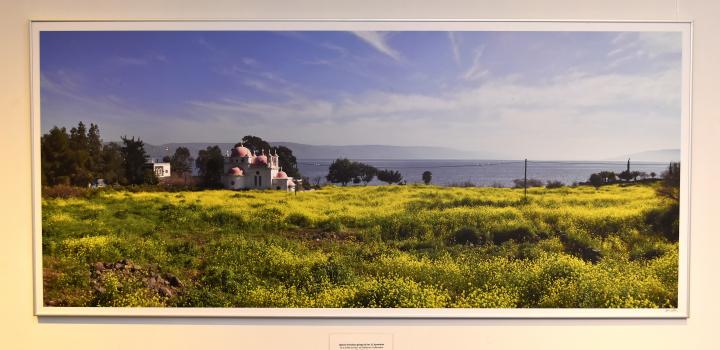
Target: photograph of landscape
{"x":360,"y":169}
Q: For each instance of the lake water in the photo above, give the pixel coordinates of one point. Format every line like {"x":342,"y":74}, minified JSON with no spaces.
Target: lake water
{"x":486,"y":172}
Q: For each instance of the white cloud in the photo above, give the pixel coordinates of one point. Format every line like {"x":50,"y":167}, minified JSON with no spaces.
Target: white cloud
{"x":455,"y":46}
{"x":646,"y":44}
{"x":560,"y":115}
{"x":378,"y":40}
{"x":476,"y":71}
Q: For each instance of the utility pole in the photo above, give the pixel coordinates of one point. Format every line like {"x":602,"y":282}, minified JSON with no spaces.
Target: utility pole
{"x":525,"y":179}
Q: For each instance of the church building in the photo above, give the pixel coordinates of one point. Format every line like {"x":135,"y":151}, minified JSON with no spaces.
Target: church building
{"x":246,"y":170}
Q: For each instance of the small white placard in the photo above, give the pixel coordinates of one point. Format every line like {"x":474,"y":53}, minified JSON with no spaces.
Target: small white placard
{"x":361,"y":341}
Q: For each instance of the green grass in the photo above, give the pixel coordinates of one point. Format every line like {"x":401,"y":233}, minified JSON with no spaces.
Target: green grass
{"x":376,"y":246}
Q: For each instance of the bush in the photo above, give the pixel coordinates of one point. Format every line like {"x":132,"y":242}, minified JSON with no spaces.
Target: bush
{"x":580,"y":246}
{"x":517,"y":234}
{"x":466,"y":236}
{"x":665,"y":221}
{"x":520,"y":183}
{"x":554,"y":184}
{"x":65,"y":191}
{"x":299,"y":220}
{"x":462,"y":184}
{"x":331,"y":224}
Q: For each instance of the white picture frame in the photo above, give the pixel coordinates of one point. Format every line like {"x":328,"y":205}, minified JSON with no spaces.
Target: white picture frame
{"x":684,"y":27}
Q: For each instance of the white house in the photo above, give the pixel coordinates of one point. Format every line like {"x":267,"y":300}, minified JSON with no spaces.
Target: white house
{"x":161,"y":169}
{"x":245,"y":170}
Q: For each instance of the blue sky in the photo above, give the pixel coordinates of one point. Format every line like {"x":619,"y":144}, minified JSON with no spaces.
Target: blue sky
{"x":540,"y":95}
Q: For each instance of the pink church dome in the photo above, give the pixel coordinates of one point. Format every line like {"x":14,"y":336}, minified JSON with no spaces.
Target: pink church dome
{"x":235,"y":171}
{"x":240,"y":151}
{"x":261,"y":160}
{"x":281,"y":175}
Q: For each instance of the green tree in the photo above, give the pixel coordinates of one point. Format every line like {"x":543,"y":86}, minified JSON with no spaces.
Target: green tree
{"x":134,"y":160}
{"x":210,"y":163}
{"x":95,"y":149}
{"x":55,"y":157}
{"x":342,"y":171}
{"x":670,"y":184}
{"x":366,"y":172}
{"x":180,"y":161}
{"x":81,"y":173}
{"x":389,"y":176}
{"x":427,"y":177}
{"x":596,"y":180}
{"x":113,"y":165}
{"x":608,"y":176}
{"x":626,"y":175}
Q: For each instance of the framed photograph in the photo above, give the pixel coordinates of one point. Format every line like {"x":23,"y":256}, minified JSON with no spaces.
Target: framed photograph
{"x":355,"y":168}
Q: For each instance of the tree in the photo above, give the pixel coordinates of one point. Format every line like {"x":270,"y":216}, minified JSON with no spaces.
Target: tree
{"x":607,"y":176}
{"x":670,"y":184}
{"x":55,"y":155}
{"x":80,"y":174}
{"x":210,"y":163}
{"x":342,"y":171}
{"x":95,"y":148}
{"x":389,"y":176}
{"x":366,"y":172}
{"x":625,"y":175}
{"x":288,"y":162}
{"x":113,"y":168}
{"x":134,"y":160}
{"x":180,"y":161}
{"x":427,"y":177}
{"x":653,"y":174}
{"x":596,"y":180}
{"x":149,"y":177}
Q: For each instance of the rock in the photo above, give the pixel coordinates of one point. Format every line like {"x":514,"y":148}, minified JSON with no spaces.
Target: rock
{"x":119,"y":266}
{"x":99,"y":266}
{"x":99,"y":289}
{"x":165,"y":292}
{"x":174,"y":281}
{"x":51,"y":303}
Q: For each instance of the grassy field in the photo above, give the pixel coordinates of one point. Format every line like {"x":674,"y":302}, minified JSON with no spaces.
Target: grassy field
{"x":384,"y":246}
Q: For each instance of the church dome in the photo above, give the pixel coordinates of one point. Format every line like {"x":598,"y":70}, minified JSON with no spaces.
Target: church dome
{"x":281,"y":175}
{"x":261,"y":160}
{"x":240,"y":151}
{"x":235,"y":171}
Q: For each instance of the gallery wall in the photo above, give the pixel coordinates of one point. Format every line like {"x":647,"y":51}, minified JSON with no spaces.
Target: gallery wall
{"x":19,"y":329}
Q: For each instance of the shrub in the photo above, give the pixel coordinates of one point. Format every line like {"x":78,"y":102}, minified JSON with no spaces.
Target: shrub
{"x":466,"y":236}
{"x":580,"y":246}
{"x":554,"y":184}
{"x":517,"y":234}
{"x":397,"y":292}
{"x":520,"y":183}
{"x":331,"y":224}
{"x":299,"y":220}
{"x":665,"y":221}
{"x":65,"y":191}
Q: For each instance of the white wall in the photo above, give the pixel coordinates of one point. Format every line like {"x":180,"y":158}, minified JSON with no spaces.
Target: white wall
{"x":19,"y":329}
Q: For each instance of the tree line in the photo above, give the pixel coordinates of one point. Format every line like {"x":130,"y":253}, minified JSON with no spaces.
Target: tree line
{"x":345,"y":171}
{"x":79,"y":156}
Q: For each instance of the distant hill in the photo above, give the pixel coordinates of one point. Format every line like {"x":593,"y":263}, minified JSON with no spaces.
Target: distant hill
{"x":662,"y":155}
{"x":304,"y":151}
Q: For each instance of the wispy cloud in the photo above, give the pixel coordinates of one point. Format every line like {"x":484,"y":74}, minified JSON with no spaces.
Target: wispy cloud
{"x":455,"y":46}
{"x":378,"y":40}
{"x":476,"y":71}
